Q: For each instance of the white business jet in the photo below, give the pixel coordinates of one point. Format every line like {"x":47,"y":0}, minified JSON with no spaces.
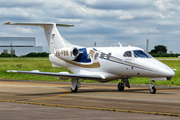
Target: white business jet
{"x":102,"y":64}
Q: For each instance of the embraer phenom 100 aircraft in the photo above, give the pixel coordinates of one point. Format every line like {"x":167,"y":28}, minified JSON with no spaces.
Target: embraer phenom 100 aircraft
{"x":102,"y":64}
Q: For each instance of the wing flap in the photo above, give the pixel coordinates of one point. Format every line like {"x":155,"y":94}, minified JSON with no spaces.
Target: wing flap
{"x":81,"y":76}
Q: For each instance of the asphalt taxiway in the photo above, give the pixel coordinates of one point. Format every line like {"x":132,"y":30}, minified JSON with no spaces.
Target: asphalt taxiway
{"x":91,"y":97}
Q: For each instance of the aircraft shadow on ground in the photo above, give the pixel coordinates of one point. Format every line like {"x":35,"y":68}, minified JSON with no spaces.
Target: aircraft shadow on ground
{"x":144,"y":91}
{"x":43,"y":94}
{"x":96,"y":90}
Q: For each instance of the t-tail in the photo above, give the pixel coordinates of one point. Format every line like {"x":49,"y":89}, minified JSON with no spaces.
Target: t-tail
{"x":54,"y":39}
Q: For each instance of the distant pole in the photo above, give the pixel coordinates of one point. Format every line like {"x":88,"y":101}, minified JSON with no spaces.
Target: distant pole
{"x":147,"y":45}
{"x":94,"y":44}
{"x":11,"y":50}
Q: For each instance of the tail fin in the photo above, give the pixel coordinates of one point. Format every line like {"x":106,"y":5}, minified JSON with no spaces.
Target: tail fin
{"x":54,"y":39}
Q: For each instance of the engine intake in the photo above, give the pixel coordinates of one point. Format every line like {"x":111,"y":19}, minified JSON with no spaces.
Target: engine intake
{"x":67,"y":53}
{"x":74,"y":53}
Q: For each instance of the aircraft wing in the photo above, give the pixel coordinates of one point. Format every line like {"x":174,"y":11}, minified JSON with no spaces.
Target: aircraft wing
{"x":66,"y":75}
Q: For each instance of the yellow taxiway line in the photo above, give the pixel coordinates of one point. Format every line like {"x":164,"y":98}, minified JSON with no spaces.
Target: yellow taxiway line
{"x":67,"y":92}
{"x":94,"y":108}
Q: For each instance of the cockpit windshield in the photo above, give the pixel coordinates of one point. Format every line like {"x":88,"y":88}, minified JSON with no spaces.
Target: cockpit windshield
{"x":141,"y":54}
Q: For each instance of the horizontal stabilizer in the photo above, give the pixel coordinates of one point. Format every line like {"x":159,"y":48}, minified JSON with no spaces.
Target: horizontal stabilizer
{"x":90,"y":77}
{"x":38,"y":24}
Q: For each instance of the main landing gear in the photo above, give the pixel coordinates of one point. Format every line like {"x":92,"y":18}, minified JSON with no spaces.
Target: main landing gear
{"x":124,"y":82}
{"x":75,"y":84}
{"x":152,"y":87}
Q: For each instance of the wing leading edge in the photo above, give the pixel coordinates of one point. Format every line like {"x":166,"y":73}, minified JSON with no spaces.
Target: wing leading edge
{"x":36,"y":72}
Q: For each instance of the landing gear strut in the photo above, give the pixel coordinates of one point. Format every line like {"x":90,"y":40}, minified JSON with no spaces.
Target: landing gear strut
{"x":75,"y":84}
{"x":124,"y":82}
{"x":152,"y":87}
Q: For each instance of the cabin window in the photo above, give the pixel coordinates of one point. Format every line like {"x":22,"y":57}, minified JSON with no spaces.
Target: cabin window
{"x":102,"y":55}
{"x":96,"y":56}
{"x":141,"y":54}
{"x":108,"y":56}
{"x":127,"y":54}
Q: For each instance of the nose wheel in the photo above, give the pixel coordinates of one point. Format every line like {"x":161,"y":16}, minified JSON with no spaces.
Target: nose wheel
{"x":152,"y":90}
{"x":152,"y":87}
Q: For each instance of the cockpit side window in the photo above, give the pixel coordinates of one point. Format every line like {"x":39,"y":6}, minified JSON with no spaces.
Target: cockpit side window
{"x":127,"y":54}
{"x":141,"y":54}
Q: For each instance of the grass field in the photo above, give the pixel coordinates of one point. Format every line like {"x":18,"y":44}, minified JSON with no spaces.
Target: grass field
{"x":167,"y":58}
{"x":44,"y":65}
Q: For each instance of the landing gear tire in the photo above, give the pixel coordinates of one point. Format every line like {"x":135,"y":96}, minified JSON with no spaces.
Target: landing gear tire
{"x":75,"y":90}
{"x":120,"y":86}
{"x":153,"y":90}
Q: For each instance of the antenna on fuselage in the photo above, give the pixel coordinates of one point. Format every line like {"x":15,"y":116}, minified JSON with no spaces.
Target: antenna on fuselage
{"x":120,"y":44}
{"x":94,"y":44}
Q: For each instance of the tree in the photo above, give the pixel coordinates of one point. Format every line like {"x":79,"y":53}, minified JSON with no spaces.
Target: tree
{"x":33,"y":54}
{"x":6,"y":55}
{"x":159,"y":49}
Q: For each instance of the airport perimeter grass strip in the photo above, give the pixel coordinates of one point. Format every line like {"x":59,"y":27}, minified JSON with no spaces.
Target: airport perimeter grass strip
{"x":29,"y":64}
{"x":93,"y":108}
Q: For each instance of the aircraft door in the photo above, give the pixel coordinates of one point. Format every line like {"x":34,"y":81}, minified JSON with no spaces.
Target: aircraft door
{"x":128,"y":57}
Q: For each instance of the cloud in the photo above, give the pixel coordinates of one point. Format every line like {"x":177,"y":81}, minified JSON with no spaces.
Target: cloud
{"x":21,"y":3}
{"x":163,"y":4}
{"x":116,"y":4}
{"x":106,"y":22}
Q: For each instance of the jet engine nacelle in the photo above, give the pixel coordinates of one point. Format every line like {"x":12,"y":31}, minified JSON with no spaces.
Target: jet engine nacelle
{"x":67,"y":53}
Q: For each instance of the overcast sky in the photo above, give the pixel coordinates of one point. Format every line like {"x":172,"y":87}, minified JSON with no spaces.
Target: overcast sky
{"x":105,"y":22}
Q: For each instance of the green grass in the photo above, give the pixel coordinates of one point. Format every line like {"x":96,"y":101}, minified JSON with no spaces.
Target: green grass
{"x":167,"y":58}
{"x":44,"y":65}
{"x":27,"y":64}
{"x":25,"y":58}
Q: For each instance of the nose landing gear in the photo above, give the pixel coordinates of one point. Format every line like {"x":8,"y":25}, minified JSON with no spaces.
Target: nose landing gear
{"x":152,"y":87}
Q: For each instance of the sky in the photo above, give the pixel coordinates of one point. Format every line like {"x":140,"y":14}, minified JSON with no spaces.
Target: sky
{"x":106,"y":22}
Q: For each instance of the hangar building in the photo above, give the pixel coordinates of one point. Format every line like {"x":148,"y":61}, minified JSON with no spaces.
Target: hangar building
{"x":19,"y":45}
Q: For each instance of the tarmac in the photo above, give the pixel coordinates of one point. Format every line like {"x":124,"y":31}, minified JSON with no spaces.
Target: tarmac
{"x":54,"y":100}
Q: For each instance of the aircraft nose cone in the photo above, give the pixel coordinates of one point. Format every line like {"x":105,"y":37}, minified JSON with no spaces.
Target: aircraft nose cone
{"x":170,"y":73}
{"x":167,"y":72}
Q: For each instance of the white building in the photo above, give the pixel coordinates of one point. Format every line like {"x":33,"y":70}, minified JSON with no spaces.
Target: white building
{"x":19,"y":45}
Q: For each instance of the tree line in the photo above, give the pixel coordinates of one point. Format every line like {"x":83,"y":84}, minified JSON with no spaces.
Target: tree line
{"x":158,"y":51}
{"x":32,"y":54}
{"x":161,"y":51}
